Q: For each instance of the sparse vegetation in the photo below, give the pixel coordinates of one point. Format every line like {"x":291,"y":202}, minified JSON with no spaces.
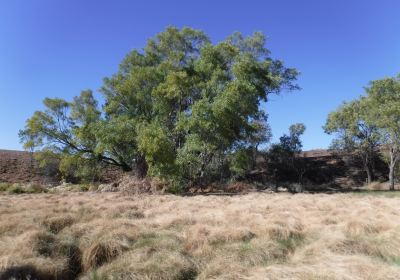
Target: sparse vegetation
{"x":257,"y":236}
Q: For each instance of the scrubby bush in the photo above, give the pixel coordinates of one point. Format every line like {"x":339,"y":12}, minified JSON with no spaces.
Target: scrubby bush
{"x":4,"y":187}
{"x":29,"y":188}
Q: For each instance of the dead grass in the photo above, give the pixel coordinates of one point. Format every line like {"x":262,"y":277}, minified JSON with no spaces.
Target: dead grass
{"x":100,"y":253}
{"x":57,"y":223}
{"x":254,"y":236}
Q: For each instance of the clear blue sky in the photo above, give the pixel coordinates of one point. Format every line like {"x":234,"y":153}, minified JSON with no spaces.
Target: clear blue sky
{"x":57,"y":48}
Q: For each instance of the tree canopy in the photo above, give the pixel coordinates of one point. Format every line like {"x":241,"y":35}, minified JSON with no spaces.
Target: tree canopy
{"x":354,"y":132}
{"x":370,"y":124}
{"x":384,"y":112}
{"x":171,"y":109}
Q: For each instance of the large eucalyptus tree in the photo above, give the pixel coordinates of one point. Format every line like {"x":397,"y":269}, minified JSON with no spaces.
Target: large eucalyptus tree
{"x":172,"y":108}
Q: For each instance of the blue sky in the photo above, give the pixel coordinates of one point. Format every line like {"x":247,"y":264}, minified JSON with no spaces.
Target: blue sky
{"x":56,"y":48}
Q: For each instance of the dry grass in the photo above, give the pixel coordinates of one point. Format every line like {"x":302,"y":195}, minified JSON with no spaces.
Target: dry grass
{"x":254,"y":236}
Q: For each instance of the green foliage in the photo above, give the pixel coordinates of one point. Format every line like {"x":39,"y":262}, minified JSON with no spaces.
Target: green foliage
{"x":350,"y":123}
{"x":384,"y":100}
{"x":283,"y":161}
{"x":177,"y":109}
{"x":241,"y":162}
{"x":355,"y":132}
{"x":289,"y":144}
{"x":154,"y":143}
{"x":4,"y":187}
{"x":369,"y":122}
{"x":49,"y":162}
{"x":21,"y":189}
{"x":384,"y":112}
{"x":74,"y":168}
{"x":16,"y":189}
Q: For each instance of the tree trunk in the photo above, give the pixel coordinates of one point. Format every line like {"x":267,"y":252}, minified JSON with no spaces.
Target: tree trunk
{"x":141,"y":167}
{"x":125,"y":167}
{"x":370,"y":175}
{"x":368,"y":166}
{"x":392,"y":165}
{"x":391,"y":177}
{"x":254,"y":160}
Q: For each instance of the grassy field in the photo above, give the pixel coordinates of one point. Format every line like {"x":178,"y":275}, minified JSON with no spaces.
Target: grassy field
{"x":255,"y":236}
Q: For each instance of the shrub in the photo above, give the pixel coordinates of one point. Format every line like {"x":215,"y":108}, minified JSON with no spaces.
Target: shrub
{"x":20,"y":189}
{"x":4,"y":187}
{"x":16,"y":189}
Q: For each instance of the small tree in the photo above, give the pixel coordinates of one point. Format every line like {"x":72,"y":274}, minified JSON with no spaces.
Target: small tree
{"x":261,"y":136}
{"x":354,"y":133}
{"x":384,"y":112}
{"x":283,"y":157}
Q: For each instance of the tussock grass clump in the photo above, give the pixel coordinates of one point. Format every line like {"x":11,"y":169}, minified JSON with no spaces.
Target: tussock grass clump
{"x":286,"y":227}
{"x":384,"y":248}
{"x":9,"y":226}
{"x":43,"y":255}
{"x":365,"y":226}
{"x":134,"y":214}
{"x":255,"y":236}
{"x":259,"y":251}
{"x":199,"y":236}
{"x":158,"y":241}
{"x":180,"y":223}
{"x":158,"y":265}
{"x":56,"y":224}
{"x":100,"y":253}
{"x":43,"y":243}
{"x":104,"y":250}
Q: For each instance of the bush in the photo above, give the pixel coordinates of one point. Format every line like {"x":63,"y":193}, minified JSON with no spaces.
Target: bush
{"x":16,"y":189}
{"x":20,"y":189}
{"x":4,"y":187}
{"x":76,"y":169}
